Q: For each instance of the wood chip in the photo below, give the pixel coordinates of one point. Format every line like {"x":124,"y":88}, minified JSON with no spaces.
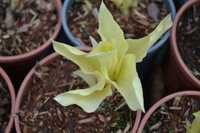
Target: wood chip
{"x":128,"y":126}
{"x":140,"y":15}
{"x":87,"y":120}
{"x":102,"y":118}
{"x":175,"y":108}
{"x":120,"y":106}
{"x":95,"y":13}
{"x":119,"y":131}
{"x":59,"y":114}
{"x":153,"y":11}
{"x":156,"y":126}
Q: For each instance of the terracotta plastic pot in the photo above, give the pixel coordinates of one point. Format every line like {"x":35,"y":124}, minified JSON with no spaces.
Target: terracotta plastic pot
{"x":162,"y":101}
{"x":25,"y":86}
{"x":179,"y":75}
{"x":17,"y":65}
{"x":12,"y":97}
{"x":33,"y":54}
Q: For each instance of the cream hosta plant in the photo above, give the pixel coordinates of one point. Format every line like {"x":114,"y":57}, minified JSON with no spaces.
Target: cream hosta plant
{"x":195,"y":126}
{"x":110,"y":65}
{"x":125,"y":5}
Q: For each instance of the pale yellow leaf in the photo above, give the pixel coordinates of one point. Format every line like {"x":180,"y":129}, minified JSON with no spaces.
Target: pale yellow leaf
{"x":88,"y":103}
{"x":128,"y":83}
{"x":108,"y":28}
{"x":140,"y":47}
{"x":78,"y":57}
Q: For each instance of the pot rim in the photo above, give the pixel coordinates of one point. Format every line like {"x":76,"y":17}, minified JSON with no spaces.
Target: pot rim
{"x":35,"y":52}
{"x":162,"y":101}
{"x":75,"y":41}
{"x":11,"y":90}
{"x":174,"y":47}
{"x":27,"y":80}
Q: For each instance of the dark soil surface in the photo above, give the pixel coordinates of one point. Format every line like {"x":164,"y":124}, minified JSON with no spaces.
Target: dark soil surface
{"x":173,"y":116}
{"x":41,"y":114}
{"x":27,"y":27}
{"x":138,"y":23}
{"x":188,"y":38}
{"x":4,"y":106}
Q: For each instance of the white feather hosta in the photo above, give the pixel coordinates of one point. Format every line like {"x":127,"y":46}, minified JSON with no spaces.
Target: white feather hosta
{"x":110,"y":64}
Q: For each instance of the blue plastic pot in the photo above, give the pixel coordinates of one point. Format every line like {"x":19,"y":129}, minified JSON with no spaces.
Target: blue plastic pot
{"x":145,"y":67}
{"x":75,"y":42}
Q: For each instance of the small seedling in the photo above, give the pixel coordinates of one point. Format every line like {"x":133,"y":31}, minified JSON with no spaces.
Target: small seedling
{"x":195,"y":126}
{"x":15,"y":4}
{"x":125,"y":5}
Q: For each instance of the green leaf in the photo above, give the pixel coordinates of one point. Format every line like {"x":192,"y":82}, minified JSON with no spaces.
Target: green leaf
{"x":195,"y":127}
{"x":15,"y":4}
{"x":117,"y":2}
{"x":124,"y":5}
{"x":127,"y":4}
{"x":140,"y":46}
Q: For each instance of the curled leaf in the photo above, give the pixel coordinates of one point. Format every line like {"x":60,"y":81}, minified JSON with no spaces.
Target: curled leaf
{"x":88,"y":103}
{"x":88,"y":78}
